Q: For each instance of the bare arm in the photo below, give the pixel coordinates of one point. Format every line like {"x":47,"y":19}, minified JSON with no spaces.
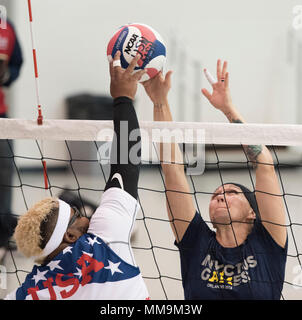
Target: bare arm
{"x":180,"y":205}
{"x":268,"y":193}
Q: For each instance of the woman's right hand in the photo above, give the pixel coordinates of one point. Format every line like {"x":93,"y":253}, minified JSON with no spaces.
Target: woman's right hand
{"x":158,"y":88}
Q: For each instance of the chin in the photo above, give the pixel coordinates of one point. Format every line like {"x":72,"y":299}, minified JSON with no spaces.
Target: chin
{"x":219,"y":220}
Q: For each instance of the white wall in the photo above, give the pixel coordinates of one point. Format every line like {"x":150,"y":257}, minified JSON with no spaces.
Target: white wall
{"x":71,"y":38}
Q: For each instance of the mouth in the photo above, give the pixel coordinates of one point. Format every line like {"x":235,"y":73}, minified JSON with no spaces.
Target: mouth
{"x":220,"y":211}
{"x":219,"y":208}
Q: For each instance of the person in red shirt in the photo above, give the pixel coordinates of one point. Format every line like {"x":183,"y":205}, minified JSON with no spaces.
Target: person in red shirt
{"x":10,"y":65}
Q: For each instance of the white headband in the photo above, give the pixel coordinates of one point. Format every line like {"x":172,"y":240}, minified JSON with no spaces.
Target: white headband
{"x":60,"y":228}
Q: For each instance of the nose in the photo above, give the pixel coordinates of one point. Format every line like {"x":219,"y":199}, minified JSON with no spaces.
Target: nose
{"x":220,"y":198}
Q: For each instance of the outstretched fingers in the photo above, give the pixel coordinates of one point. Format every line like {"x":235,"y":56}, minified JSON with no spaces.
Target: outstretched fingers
{"x":206,"y":93}
{"x":138,"y":75}
{"x":168,"y":77}
{"x":224,"y":70}
{"x":115,"y":63}
{"x":221,"y":71}
{"x":132,"y":64}
{"x":218,"y":70}
{"x":227,"y":79}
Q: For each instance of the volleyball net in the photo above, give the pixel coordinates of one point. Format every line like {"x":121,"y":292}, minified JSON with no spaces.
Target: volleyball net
{"x":70,"y":158}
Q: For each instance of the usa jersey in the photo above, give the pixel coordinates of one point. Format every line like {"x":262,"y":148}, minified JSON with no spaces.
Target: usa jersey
{"x":94,"y":267}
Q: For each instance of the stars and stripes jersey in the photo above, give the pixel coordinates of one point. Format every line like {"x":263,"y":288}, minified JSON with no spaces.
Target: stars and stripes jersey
{"x":99,"y":265}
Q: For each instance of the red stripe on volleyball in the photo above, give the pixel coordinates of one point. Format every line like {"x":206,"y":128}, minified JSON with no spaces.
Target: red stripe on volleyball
{"x":29,"y":11}
{"x":152,"y":72}
{"x":113,"y":41}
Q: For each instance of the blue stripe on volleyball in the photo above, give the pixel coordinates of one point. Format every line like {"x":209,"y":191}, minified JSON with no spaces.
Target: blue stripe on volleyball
{"x":158,"y":49}
{"x":118,"y":46}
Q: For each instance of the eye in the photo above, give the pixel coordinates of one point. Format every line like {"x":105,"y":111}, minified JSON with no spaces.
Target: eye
{"x":214,"y":196}
{"x":232,"y":192}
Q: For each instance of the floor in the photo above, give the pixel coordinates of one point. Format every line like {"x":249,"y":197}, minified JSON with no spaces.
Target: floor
{"x":152,"y":241}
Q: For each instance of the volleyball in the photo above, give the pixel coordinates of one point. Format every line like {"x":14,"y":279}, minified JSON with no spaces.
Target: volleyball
{"x":132,"y":39}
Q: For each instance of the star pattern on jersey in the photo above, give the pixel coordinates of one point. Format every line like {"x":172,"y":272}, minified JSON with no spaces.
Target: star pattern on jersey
{"x":93,"y":241}
{"x":54,"y":265}
{"x":88,"y":253}
{"x":113,"y":267}
{"x":67,"y":249}
{"x":78,"y":273}
{"x":39,"y":276}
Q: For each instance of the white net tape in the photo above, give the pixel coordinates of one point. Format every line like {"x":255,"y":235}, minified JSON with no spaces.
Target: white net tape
{"x":214,"y":133}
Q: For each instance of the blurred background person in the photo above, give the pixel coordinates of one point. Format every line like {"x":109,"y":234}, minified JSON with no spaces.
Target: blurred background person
{"x":10,"y":65}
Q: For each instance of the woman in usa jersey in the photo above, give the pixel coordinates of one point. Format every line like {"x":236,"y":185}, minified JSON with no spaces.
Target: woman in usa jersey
{"x":245,"y":258}
{"x":82,"y":259}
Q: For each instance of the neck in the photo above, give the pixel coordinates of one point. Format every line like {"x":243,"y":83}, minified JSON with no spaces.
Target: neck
{"x":61,"y":247}
{"x":232,"y":235}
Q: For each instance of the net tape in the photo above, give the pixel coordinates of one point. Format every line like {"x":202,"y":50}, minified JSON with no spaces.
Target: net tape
{"x":214,"y":133}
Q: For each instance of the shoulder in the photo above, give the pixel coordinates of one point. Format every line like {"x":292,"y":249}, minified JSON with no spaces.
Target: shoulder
{"x":264,"y":239}
{"x":198,"y":232}
{"x":120,"y":196}
{"x":115,"y":215}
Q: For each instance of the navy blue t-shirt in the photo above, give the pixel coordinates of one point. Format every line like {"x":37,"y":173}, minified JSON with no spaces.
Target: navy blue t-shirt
{"x":253,"y":270}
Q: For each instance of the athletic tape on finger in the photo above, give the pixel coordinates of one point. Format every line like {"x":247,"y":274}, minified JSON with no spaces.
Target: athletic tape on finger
{"x":209,"y":76}
{"x":116,"y":63}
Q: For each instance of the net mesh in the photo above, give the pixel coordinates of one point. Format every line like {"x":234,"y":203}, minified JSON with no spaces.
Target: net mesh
{"x":74,"y":170}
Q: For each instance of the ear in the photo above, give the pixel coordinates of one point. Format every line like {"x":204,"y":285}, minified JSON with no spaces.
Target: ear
{"x":252,"y":214}
{"x":70,"y":236}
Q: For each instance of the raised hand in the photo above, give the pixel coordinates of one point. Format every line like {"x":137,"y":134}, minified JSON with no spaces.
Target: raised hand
{"x":124,"y":81}
{"x":158,"y":87}
{"x":220,"y":98}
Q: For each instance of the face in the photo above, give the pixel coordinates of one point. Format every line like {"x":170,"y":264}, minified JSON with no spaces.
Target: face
{"x":77,"y":223}
{"x":227,"y":204}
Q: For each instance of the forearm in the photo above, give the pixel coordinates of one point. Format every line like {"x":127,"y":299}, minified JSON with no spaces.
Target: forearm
{"x":179,"y":201}
{"x":162,"y":112}
{"x":124,"y":162}
{"x":259,"y":155}
{"x":170,"y":155}
{"x":268,"y":193}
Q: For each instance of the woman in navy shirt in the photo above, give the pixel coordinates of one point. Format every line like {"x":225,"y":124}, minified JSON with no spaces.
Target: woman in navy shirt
{"x":245,"y":258}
